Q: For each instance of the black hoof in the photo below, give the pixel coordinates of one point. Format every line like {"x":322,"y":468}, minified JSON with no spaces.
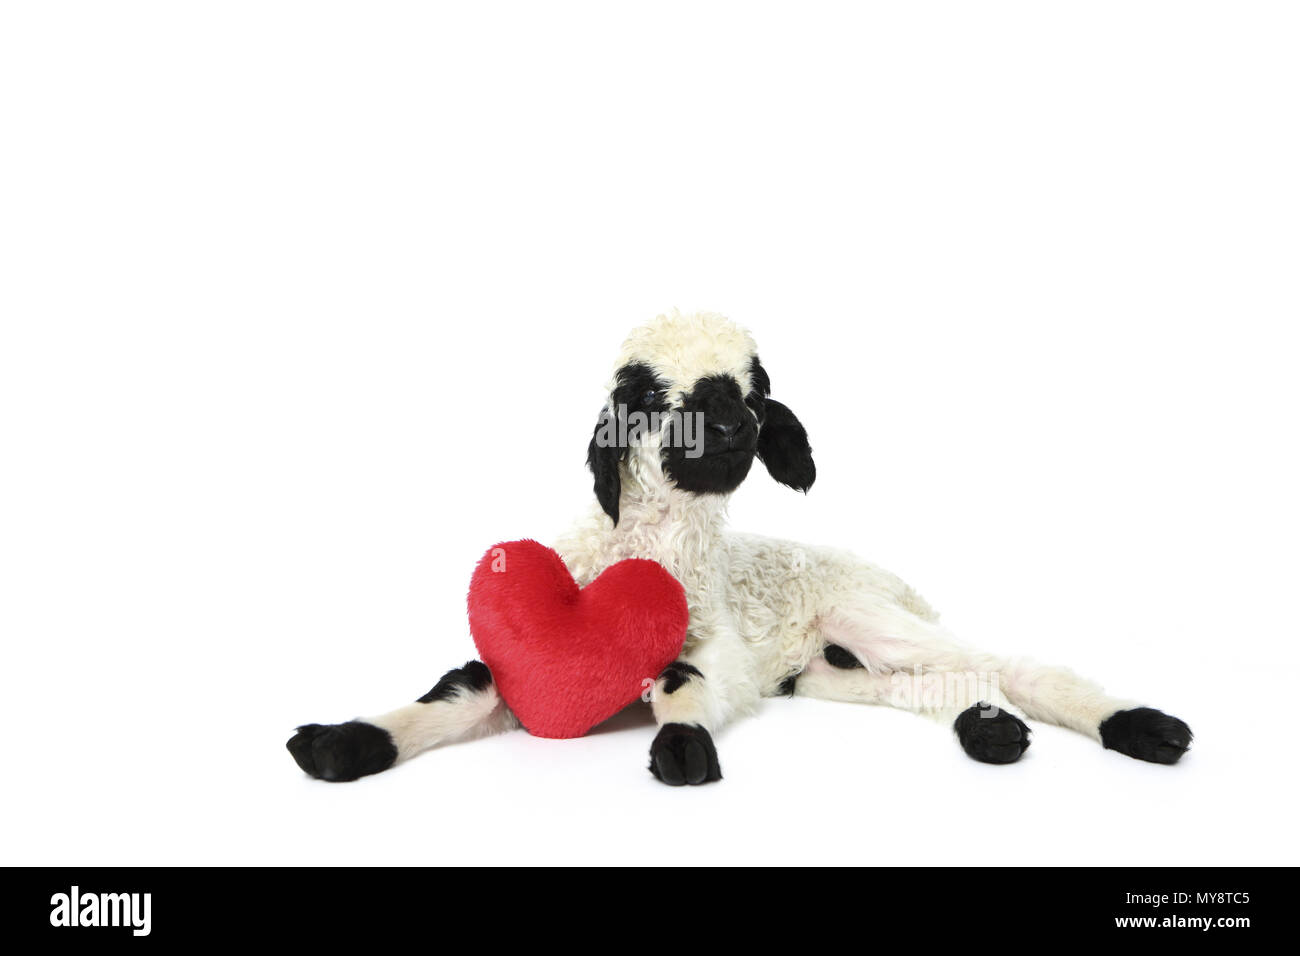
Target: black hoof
{"x":342,"y":751}
{"x":1146,"y":734}
{"x":684,"y":753}
{"x":991,"y":736}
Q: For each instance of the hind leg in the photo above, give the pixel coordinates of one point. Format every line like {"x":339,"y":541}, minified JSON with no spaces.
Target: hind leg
{"x":986,"y":724}
{"x":886,"y":637}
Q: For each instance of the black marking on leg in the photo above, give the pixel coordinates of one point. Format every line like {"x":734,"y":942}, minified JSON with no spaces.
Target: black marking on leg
{"x":678,"y":673}
{"x":839,"y":657}
{"x":1146,"y":734}
{"x":342,"y":751}
{"x":684,"y":753}
{"x":474,"y":676}
{"x":990,"y":737}
{"x":786,"y":687}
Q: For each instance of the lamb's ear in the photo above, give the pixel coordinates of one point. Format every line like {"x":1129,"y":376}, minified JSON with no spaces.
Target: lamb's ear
{"x":783,"y":447}
{"x":603,"y":455}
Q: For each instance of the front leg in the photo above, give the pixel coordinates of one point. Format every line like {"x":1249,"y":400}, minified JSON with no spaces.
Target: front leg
{"x":463,"y":705}
{"x":683,"y":751}
{"x":693,"y":697}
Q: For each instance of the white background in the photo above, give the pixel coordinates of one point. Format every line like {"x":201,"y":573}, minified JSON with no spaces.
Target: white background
{"x":305,"y":305}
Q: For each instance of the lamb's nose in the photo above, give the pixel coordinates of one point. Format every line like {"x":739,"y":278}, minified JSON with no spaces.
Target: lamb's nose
{"x":727,"y":431}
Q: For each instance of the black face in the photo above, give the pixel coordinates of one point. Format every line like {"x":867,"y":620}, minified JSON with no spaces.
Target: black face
{"x":710,"y":447}
{"x":726,"y":431}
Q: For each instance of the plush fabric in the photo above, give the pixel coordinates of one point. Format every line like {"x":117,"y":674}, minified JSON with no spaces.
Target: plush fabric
{"x":565,"y":658}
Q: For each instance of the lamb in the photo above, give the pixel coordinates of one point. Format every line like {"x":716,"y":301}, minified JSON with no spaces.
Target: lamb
{"x":767,"y":617}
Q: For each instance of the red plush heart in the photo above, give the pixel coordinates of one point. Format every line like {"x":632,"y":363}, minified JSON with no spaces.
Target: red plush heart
{"x":565,"y":658}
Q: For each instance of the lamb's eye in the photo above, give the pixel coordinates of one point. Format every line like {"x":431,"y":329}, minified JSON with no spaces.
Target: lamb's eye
{"x":650,"y":397}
